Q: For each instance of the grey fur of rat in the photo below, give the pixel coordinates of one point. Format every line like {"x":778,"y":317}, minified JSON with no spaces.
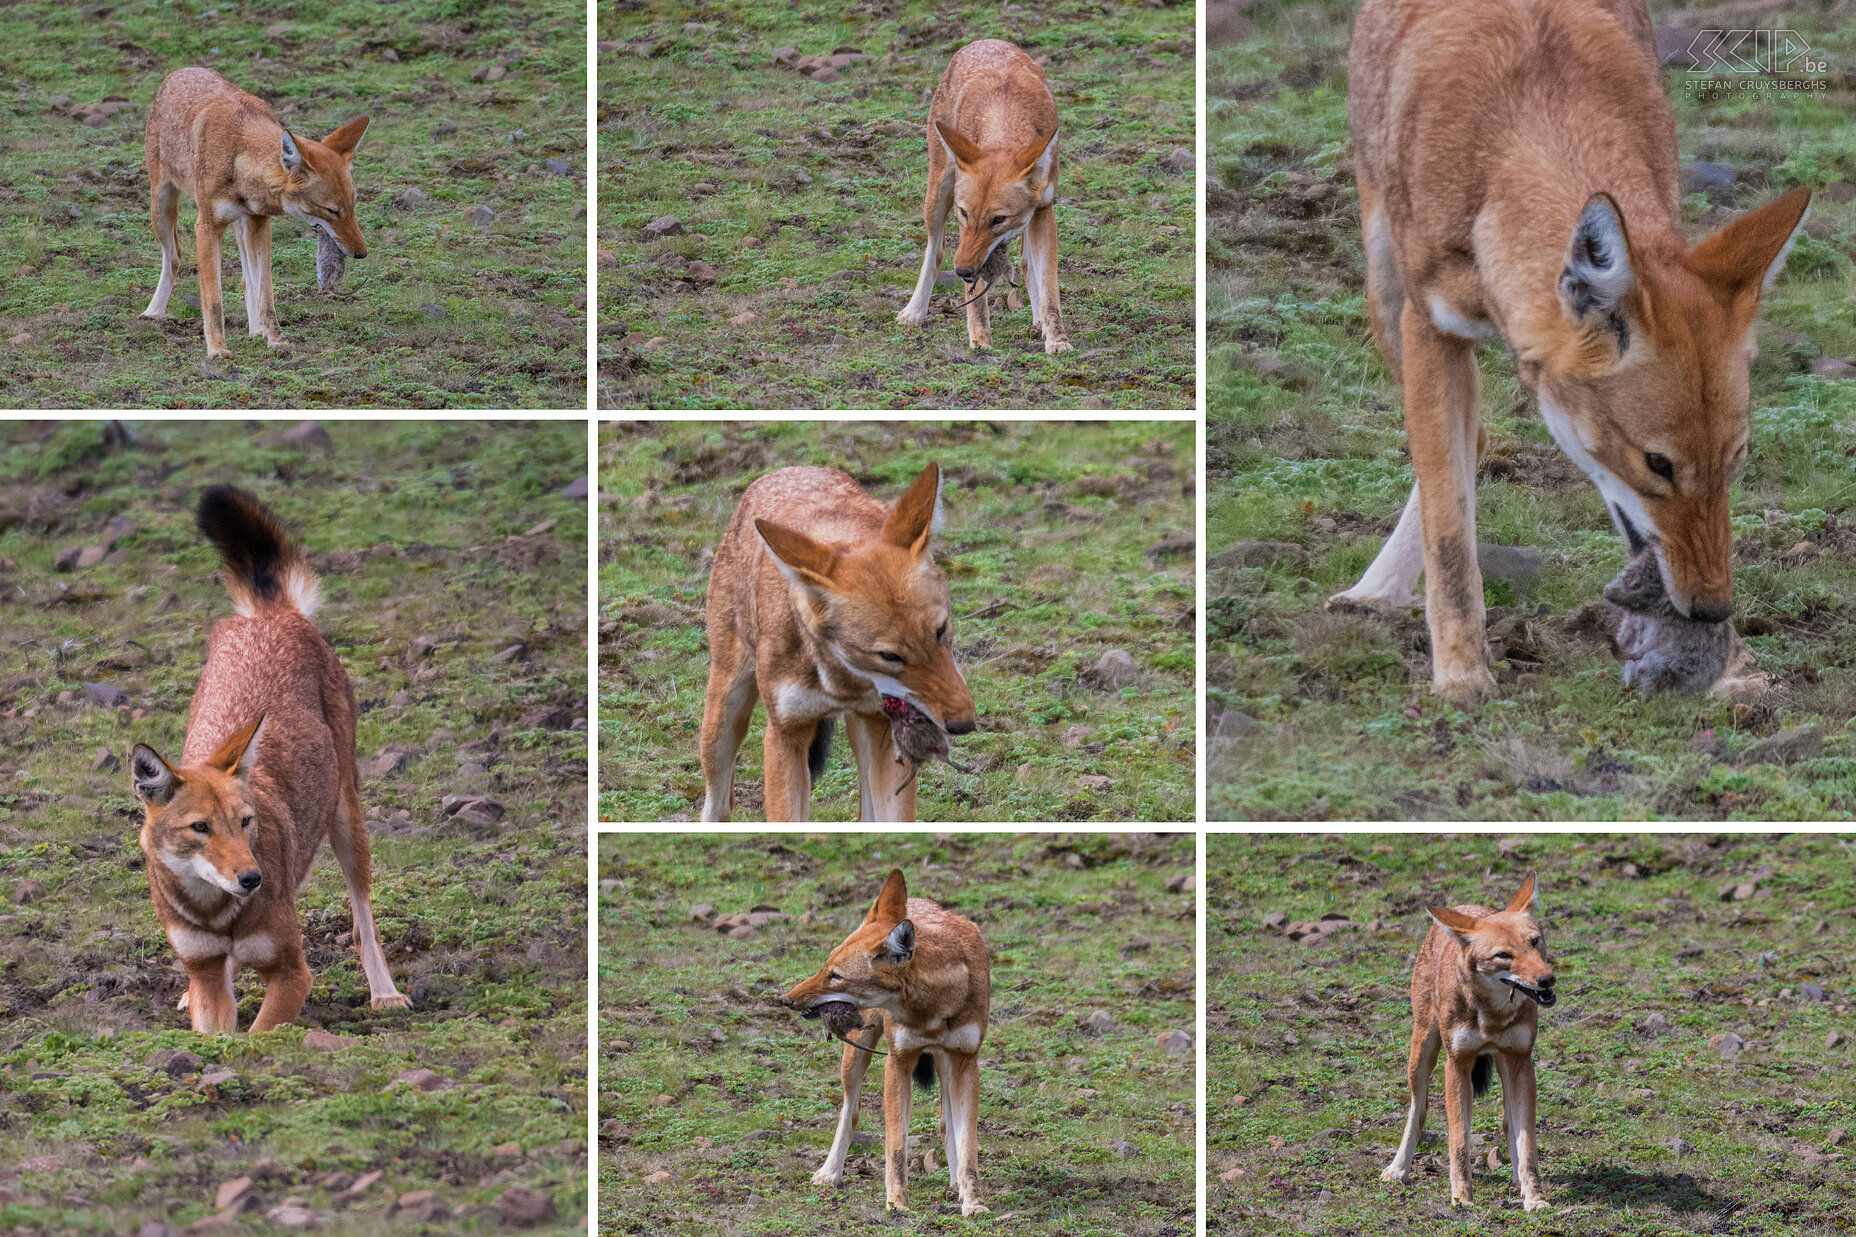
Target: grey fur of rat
{"x":919,"y":738}
{"x":1660,"y":648}
{"x":330,"y":261}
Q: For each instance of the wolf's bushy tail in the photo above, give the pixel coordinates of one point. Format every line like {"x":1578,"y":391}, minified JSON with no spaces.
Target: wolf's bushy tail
{"x":924,"y":1071}
{"x":1482,"y":1075}
{"x":260,"y":565}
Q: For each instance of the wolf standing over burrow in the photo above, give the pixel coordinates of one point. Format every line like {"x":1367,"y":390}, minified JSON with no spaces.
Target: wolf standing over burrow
{"x":268,"y":769}
{"x":992,"y":156}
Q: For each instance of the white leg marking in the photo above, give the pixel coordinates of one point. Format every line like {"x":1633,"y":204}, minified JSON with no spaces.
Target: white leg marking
{"x":915,"y":313}
{"x":170,"y":260}
{"x":1399,"y":563}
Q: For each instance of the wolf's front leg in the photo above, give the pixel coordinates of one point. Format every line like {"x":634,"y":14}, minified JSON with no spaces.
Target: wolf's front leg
{"x":1440,"y":423}
{"x":897,"y":1068}
{"x":207,"y":235}
{"x":1041,"y":277}
{"x":209,"y":994}
{"x":963,"y":1125}
{"x":935,"y":205}
{"x":1518,"y":1096}
{"x":851,"y":1068}
{"x":1458,"y":1091}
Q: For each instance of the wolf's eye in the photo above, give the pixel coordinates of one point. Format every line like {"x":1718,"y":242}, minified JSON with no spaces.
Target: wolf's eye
{"x":200,"y":826}
{"x":835,"y":977}
{"x":1535,"y":942}
{"x":940,"y":633}
{"x":963,"y":211}
{"x":997,"y":220}
{"x":894,"y":659}
{"x":1504,"y":956}
{"x":1660,"y":465}
{"x":246,"y":823}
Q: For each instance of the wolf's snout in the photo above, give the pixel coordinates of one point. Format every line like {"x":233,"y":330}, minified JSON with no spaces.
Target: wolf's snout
{"x":250,"y":879}
{"x":961,"y":725}
{"x":966,"y":272}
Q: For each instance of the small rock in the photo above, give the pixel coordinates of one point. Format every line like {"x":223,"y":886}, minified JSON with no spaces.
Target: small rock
{"x":559,"y":167}
{"x":1095,"y":782}
{"x":175,"y":1062}
{"x":702,"y":913}
{"x":39,"y":1164}
{"x":327,"y":1040}
{"x":1656,"y":1024}
{"x":824,"y":73}
{"x":233,"y":1193}
{"x":1681,"y":1146}
{"x":1811,"y":992}
{"x":745,"y":318}
{"x":657,"y":1178}
{"x":785,"y":57}
{"x":1115,"y":668}
{"x":1739,"y":892}
{"x":306,"y":436}
{"x":515,"y":652}
{"x":216,"y":1077}
{"x":413,"y":199}
{"x":1179,"y":159}
{"x":1833,"y":1040}
{"x":480,"y":215}
{"x":742,"y":932}
{"x":420,"y":1080}
{"x":525,"y":1208}
{"x":1182,"y":882}
{"x":383,"y":765}
{"x":105,"y":761}
{"x":1097,"y":1023}
{"x":1176,"y":1043}
{"x":1276,"y":921}
{"x":662,"y":226}
{"x":1714,"y":179}
{"x":1727,"y":1044}
{"x":1519,"y":565}
{"x":1838,"y":1137}
{"x":104,"y":694}
{"x":27,"y":892}
{"x":1832,"y":367}
{"x":291,"y":1216}
{"x":1123,"y":1148}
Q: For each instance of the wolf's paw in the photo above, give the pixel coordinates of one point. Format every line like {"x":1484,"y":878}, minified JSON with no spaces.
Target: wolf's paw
{"x":163,"y":316}
{"x":1394,"y":1173}
{"x":890,"y":1204}
{"x":1052,"y":346}
{"x":913,"y":317}
{"x":1460,"y":1200}
{"x":1467,"y":687}
{"x":279,"y":343}
{"x":186,"y":998}
{"x":1535,"y":1204}
{"x":393,"y":1000}
{"x":1351,"y":602}
{"x":974,"y":1209}
{"x":825,"y":1176}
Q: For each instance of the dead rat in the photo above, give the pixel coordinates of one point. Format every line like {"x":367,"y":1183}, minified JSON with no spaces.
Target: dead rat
{"x":919,"y":738}
{"x":331,"y":261}
{"x":1661,"y":649}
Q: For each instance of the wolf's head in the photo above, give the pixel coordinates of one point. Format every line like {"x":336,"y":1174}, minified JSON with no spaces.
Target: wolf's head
{"x":995,"y":192}
{"x":319,"y":191}
{"x":1503,"y":947}
{"x":199,"y":819}
{"x":870,"y":968}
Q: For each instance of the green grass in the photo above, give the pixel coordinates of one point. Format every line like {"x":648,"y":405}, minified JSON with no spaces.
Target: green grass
{"x":485,"y":931}
{"x":443,"y":313}
{"x":1075,"y":924}
{"x":695,"y":120}
{"x":1305,"y":1084}
{"x":1306,"y":447}
{"x":1046,"y":549}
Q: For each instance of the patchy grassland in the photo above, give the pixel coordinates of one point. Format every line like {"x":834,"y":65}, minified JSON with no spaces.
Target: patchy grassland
{"x":1062,"y":542}
{"x":483,"y":922}
{"x":1644,"y":1131}
{"x":695,"y":120}
{"x":1075,"y":924}
{"x":1330,"y":715}
{"x":443,"y":313}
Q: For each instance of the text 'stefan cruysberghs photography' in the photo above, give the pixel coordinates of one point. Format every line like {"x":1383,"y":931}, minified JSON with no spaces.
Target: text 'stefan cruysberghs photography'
{"x":1591,"y":1036}
{"x":897,"y":621}
{"x":899,"y":205}
{"x":1599,"y":564}
{"x":221,"y":646}
{"x":294,"y":206}
{"x":853,"y":1032}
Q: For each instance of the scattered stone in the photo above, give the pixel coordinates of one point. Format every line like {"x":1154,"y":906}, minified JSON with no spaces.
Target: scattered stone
{"x":662,"y":226}
{"x":1833,"y":1040}
{"x":1714,"y":179}
{"x":1519,"y":565}
{"x":742,"y":932}
{"x":1739,"y":892}
{"x":1681,"y":1146}
{"x":480,"y":215}
{"x":745,"y":318}
{"x":106,"y":695}
{"x":420,"y":1080}
{"x":1811,"y":992}
{"x":1176,"y":1043}
{"x":1832,"y":367}
{"x":1179,"y":159}
{"x":1182,"y":882}
{"x":218,"y":1076}
{"x":1231,"y":1174}
{"x":515,"y":652}
{"x":27,"y":892}
{"x":1116,"y":668}
{"x":233,"y":1193}
{"x":1123,"y":1148}
{"x":292,"y":1215}
{"x":385,"y":764}
{"x":422,"y":1205}
{"x":657,"y":1178}
{"x":525,"y":1208}
{"x":39,"y":1164}
{"x":1656,"y":1024}
{"x":1727,"y":1044}
{"x":1096,"y":782}
{"x":105,"y":761}
{"x":1097,"y":1023}
{"x":785,"y":57}
{"x":1786,"y":747}
{"x":175,"y":1062}
{"x":1838,"y":1137}
{"x":327,"y":1040}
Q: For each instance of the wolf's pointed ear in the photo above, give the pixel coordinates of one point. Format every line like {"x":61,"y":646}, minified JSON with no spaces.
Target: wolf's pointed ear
{"x":347,"y":139}
{"x":238,"y":755}
{"x":292,"y":157}
{"x":964,"y":153}
{"x":892,"y":905}
{"x":1455,"y":922}
{"x":1598,"y":272}
{"x":1038,"y":158}
{"x":154,"y":779}
{"x":1524,"y":898}
{"x":917,"y":513}
{"x":1746,"y":256}
{"x":800,"y":559}
{"x":899,"y":945}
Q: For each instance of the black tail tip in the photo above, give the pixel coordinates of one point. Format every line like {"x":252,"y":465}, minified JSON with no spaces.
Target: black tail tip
{"x":924,"y":1071}
{"x":820,"y":750}
{"x":1482,"y":1074}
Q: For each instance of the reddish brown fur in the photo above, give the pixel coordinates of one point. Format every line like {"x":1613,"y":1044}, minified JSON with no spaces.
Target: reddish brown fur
{"x":1483,"y":129}
{"x":273,"y":667}
{"x":934,"y":1000}
{"x":1458,"y":1006}
{"x":226,"y":149}
{"x":808,"y":645}
{"x":992,"y":158}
